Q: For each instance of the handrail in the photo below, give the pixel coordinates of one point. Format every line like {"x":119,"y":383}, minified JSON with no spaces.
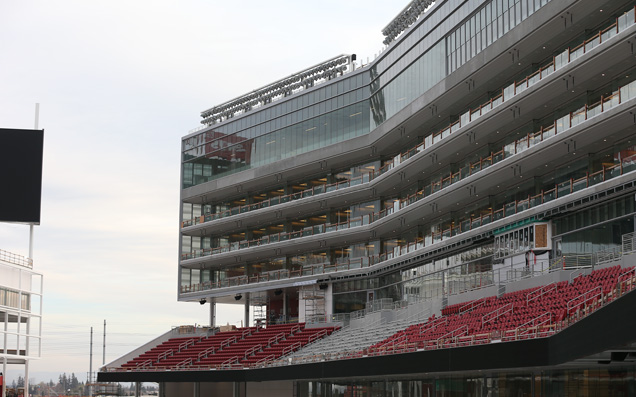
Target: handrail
{"x":264,"y":360}
{"x":533,"y":322}
{"x":184,"y":363}
{"x":227,"y":342}
{"x":500,"y":311}
{"x":540,"y":292}
{"x":291,"y":348}
{"x":276,"y":338}
{"x":165,"y":354}
{"x":471,"y":305}
{"x":145,"y":364}
{"x":185,"y":344}
{"x":229,"y":362}
{"x":451,"y":334}
{"x":627,"y":280}
{"x":251,"y":351}
{"x":583,"y":298}
{"x":432,"y":324}
{"x":205,"y":353}
{"x":317,"y":335}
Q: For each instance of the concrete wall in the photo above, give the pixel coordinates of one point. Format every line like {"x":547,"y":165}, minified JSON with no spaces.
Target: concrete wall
{"x":471,"y":295}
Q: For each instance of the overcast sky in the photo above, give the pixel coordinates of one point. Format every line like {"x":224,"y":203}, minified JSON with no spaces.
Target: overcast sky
{"x":119,"y":83}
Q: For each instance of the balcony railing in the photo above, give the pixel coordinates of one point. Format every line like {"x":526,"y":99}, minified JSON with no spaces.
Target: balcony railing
{"x":508,"y":209}
{"x":559,"y":190}
{"x":568,"y":55}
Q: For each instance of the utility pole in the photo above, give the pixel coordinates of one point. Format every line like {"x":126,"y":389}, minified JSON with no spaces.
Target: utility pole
{"x":104,"y":347}
{"x":90,"y":368}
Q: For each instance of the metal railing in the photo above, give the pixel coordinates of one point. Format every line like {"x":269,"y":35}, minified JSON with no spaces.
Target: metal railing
{"x":512,"y":208}
{"x":560,"y":189}
{"x":16,"y":259}
{"x":567,"y":56}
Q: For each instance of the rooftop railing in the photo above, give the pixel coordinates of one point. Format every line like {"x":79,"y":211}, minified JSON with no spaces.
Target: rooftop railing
{"x":16,"y":259}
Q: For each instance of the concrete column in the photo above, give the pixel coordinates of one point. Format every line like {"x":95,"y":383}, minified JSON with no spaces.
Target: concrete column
{"x":246,"y":322}
{"x":285,"y":314}
{"x":4,"y":374}
{"x":4,"y":359}
{"x":197,"y":389}
{"x":162,"y":389}
{"x":212,"y":313}
{"x":137,"y":389}
{"x":26,"y":378}
{"x":238,"y":389}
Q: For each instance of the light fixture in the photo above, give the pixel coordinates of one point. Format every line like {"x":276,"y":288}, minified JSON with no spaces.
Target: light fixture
{"x":238,"y":297}
{"x":202,"y":301}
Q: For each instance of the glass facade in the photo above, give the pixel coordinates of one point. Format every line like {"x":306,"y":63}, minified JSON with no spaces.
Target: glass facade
{"x":330,"y":114}
{"x":428,"y":70}
{"x":354,"y":105}
{"x":617,"y":380}
{"x":492,"y":21}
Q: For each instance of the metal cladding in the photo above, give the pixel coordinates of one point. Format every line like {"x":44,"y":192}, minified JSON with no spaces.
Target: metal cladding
{"x":284,"y":87}
{"x":406,"y":18}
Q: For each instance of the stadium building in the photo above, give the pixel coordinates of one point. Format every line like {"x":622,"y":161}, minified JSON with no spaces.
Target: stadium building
{"x":455,"y":217}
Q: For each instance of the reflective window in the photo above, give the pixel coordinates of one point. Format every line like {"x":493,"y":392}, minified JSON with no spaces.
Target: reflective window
{"x":492,"y":21}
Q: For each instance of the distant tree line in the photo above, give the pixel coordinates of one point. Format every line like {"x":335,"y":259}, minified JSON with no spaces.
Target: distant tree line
{"x":69,"y":385}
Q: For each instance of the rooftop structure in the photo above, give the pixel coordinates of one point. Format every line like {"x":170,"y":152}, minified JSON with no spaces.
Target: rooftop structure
{"x":20,"y":312}
{"x":490,"y":149}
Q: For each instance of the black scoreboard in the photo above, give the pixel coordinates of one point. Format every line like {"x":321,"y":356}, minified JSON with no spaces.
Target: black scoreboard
{"x":21,"y":175}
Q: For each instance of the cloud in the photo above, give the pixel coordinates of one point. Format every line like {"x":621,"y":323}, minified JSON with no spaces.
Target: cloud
{"x":119,"y":82}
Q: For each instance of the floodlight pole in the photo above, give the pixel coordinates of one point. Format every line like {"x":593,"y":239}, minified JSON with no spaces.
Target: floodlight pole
{"x":37,"y":122}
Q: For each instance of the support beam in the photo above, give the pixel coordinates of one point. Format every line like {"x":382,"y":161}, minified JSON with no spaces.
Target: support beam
{"x":246,"y":322}
{"x":212,"y":313}
{"x":238,"y":389}
{"x":26,"y":378}
{"x":4,"y":374}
